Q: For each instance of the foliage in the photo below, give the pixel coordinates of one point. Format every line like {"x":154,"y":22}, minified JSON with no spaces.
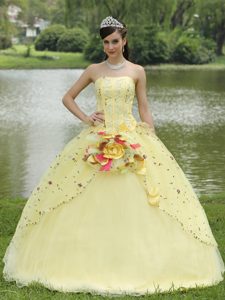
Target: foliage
{"x":211,"y":21}
{"x":5,"y":42}
{"x":14,"y":58}
{"x":149,"y":46}
{"x":74,"y":13}
{"x":48,"y":38}
{"x":73,"y":40}
{"x":6,"y":28}
{"x":152,"y":25}
{"x":191,"y":49}
{"x":93,"y":50}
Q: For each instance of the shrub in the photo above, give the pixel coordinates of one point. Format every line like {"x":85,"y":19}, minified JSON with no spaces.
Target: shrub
{"x":48,"y":38}
{"x":5,"y":42}
{"x":192,"y":49}
{"x":73,"y":40}
{"x":94,"y":49}
{"x":158,"y":49}
{"x":138,"y":45}
{"x":149,"y":46}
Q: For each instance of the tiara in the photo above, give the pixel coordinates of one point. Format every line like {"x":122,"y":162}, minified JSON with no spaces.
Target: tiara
{"x":111,"y":22}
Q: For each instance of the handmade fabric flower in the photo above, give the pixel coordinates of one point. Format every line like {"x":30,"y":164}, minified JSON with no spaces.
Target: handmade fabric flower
{"x":113,"y":152}
{"x":153,"y":196}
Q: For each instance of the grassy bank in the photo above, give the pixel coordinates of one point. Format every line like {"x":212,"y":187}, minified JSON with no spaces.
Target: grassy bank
{"x":10,"y":211}
{"x":15,"y":58}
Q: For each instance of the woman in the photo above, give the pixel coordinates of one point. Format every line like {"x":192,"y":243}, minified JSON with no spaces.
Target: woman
{"x":114,"y":213}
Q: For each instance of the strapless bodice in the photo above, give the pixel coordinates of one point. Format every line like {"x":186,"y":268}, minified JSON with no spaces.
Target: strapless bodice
{"x":115,"y":97}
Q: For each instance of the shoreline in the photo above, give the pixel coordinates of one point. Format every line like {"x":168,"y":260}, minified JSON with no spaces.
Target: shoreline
{"x":160,"y":67}
{"x":15,"y":59}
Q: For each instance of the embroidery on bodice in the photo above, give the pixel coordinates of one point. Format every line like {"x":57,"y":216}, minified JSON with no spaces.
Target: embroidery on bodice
{"x":115,"y":97}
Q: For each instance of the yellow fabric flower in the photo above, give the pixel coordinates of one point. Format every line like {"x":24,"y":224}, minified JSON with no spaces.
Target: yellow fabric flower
{"x":91,"y":159}
{"x":153,"y":196}
{"x":108,"y":136}
{"x":113,"y":150}
{"x":141,"y":168}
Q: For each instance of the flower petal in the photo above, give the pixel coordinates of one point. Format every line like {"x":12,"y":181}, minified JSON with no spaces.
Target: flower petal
{"x":101,"y":132}
{"x":101,"y":159}
{"x":153,"y":201}
{"x":107,"y":166}
{"x":119,"y":141}
{"x":153,"y":196}
{"x":138,"y":157}
{"x":91,"y":159}
{"x":135,"y":146}
{"x":102,"y":145}
{"x":141,"y":171}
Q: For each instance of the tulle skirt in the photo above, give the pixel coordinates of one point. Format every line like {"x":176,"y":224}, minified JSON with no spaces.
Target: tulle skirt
{"x":108,"y":240}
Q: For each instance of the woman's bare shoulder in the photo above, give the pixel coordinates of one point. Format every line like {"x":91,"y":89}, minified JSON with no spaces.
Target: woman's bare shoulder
{"x":96,"y":65}
{"x":136,"y":67}
{"x":136,"y":70}
{"x":95,"y":69}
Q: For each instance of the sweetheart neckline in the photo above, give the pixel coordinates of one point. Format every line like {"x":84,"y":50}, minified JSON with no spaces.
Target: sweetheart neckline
{"x":102,"y":77}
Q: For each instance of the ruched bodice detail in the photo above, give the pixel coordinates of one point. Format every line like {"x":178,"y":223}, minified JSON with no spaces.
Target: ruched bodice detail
{"x":115,"y":97}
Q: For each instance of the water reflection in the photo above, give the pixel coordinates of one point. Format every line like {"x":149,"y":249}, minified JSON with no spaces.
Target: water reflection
{"x":188,"y":108}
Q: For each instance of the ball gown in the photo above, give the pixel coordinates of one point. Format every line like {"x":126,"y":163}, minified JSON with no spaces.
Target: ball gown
{"x":114,"y":214}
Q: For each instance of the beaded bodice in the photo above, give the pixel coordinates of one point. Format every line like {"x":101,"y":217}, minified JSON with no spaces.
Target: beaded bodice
{"x":115,"y":97}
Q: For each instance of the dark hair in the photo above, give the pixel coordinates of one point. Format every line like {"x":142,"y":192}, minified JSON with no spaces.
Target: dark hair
{"x":105,"y":31}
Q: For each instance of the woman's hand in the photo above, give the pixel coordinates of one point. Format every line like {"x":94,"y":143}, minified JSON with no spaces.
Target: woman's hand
{"x":95,"y":118}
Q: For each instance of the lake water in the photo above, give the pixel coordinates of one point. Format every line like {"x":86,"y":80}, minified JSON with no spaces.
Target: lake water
{"x":188,"y":109}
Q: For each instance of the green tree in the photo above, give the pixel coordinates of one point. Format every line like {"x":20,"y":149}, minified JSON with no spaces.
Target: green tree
{"x":6,"y":28}
{"x":49,"y":37}
{"x":182,"y":13}
{"x":211,"y":21}
{"x":73,"y":40}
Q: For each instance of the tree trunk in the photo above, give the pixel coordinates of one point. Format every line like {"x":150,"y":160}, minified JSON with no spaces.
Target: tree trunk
{"x":220,"y":38}
{"x":220,"y":42}
{"x":182,"y":7}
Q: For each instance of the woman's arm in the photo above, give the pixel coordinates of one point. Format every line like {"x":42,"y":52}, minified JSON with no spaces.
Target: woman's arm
{"x":68,"y":99}
{"x":143,"y":106}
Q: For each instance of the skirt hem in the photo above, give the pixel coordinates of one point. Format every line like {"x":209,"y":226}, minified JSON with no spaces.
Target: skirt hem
{"x":112,"y":292}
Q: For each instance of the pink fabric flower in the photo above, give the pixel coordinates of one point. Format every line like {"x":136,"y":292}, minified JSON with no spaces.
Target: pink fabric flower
{"x":135,"y":146}
{"x":118,"y":141}
{"x":101,"y":132}
{"x":107,"y":167}
{"x":100,"y":157}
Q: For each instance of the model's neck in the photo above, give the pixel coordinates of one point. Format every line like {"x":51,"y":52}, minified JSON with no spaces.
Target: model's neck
{"x":116,"y":60}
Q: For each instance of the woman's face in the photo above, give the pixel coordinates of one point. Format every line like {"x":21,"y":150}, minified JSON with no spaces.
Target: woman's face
{"x":113,"y":44}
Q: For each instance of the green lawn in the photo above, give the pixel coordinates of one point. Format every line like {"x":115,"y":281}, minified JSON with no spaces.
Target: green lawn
{"x":10,"y":211}
{"x":15,"y":58}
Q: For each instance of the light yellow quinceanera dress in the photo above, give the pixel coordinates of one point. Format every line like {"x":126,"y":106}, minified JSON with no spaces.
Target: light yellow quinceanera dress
{"x":114,"y":213}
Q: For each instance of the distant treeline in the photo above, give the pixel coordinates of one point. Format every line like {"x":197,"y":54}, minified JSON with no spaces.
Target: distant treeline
{"x":188,"y":31}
